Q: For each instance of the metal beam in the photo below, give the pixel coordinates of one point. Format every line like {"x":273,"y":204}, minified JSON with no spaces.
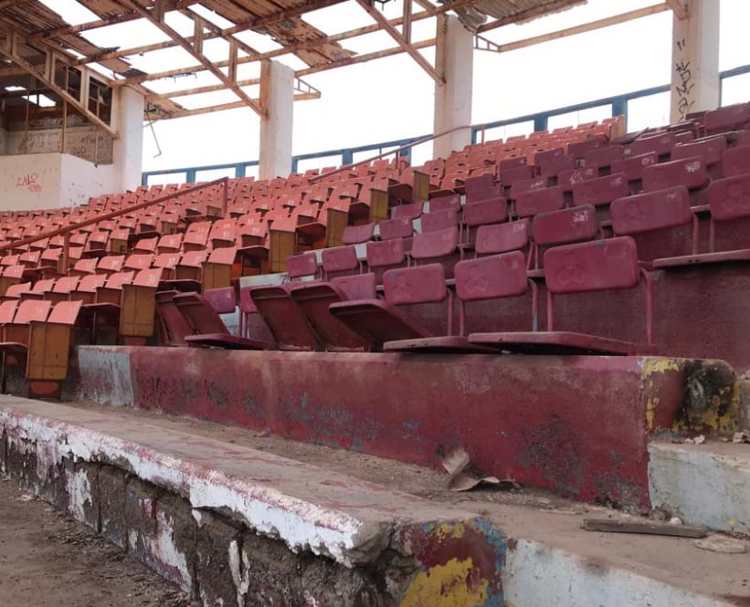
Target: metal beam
{"x":205,"y":61}
{"x":400,"y":40}
{"x":484,"y":44}
{"x":679,"y":7}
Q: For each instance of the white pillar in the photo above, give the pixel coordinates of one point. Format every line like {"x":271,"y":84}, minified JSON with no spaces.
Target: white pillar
{"x":454,"y":59}
{"x":128,"y":147}
{"x":277,"y":96}
{"x":695,"y":59}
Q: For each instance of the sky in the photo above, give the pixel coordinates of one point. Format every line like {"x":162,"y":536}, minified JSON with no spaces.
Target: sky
{"x":392,"y":98}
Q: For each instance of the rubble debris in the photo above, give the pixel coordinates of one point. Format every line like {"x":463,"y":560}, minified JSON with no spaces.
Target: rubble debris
{"x":722,"y":544}
{"x":647,"y":528}
{"x":462,"y":476}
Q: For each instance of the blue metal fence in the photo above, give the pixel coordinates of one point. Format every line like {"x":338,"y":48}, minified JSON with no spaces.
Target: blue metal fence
{"x":343,"y":156}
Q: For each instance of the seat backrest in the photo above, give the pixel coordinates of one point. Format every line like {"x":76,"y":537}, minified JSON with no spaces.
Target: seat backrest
{"x":690,"y":172}
{"x":358,"y":234}
{"x":110,"y":263}
{"x":407,"y":211}
{"x":576,"y":224}
{"x":439,"y":220}
{"x":385,"y":253}
{"x":491,"y":277}
{"x":710,"y":150}
{"x":340,"y":259}
{"x":727,"y":118}
{"x":592,"y":266}
{"x":66,"y":284}
{"x":729,"y":198}
{"x":531,"y":202}
{"x":481,"y":187}
{"x":435,"y":244}
{"x":395,"y":228}
{"x":421,"y":284}
{"x":65,"y":313}
{"x":8,"y":311}
{"x":305,"y":264}
{"x":651,"y":211}
{"x":601,"y":191}
{"x":633,"y":166}
{"x":485,"y":212}
{"x":223,"y":300}
{"x":736,"y":161}
{"x":360,"y":286}
{"x":662,"y":144}
{"x":445,"y":202}
{"x":32,"y":310}
{"x":502,"y":238}
{"x":90,"y":283}
{"x":603,"y":156}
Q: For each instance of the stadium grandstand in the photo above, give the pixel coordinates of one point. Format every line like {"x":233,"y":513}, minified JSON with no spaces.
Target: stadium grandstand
{"x":510,"y":373}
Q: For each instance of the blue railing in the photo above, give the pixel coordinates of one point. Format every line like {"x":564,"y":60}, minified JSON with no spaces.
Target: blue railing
{"x":344,"y":156}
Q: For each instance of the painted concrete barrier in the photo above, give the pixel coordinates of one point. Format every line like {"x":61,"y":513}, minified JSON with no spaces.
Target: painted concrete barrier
{"x":576,"y":425}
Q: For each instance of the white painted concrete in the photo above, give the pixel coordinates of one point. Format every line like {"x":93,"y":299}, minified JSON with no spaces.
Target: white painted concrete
{"x":537,"y":575}
{"x":706,"y":484}
{"x":128,"y":147}
{"x":50,"y":181}
{"x":277,"y":92}
{"x":695,"y":59}
{"x":455,"y":61}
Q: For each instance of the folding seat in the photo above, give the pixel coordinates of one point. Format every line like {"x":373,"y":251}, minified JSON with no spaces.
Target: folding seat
{"x":439,"y":246}
{"x":138,"y":306}
{"x":407,"y":211}
{"x":583,"y":269}
{"x":736,"y":161}
{"x":531,"y":202}
{"x":138,"y":261}
{"x":384,"y":255}
{"x":552,"y":162}
{"x":62,"y":288}
{"x":662,"y":144}
{"x":661,"y":223}
{"x":372,"y":202}
{"x":110,"y":264}
{"x":108,"y":295}
{"x":497,"y":277}
{"x":415,"y":305}
{"x":358,"y":234}
{"x":17,"y":291}
{"x":16,"y":319}
{"x":283,"y":317}
{"x":508,"y":164}
{"x":87,"y":288}
{"x":690,"y":172}
{"x":40,"y":288}
{"x":448,"y":202}
{"x":438,"y":220}
{"x":601,"y":191}
{"x":196,"y":236}
{"x":633,"y":167}
{"x":84,"y":266}
{"x":315,"y":299}
{"x":502,"y":238}
{"x":509,"y":176}
{"x":601,"y":159}
{"x":191,"y":266}
{"x":340,"y":261}
{"x":303,"y":266}
{"x":710,"y":151}
{"x":208,"y":329}
{"x":481,"y":213}
{"x":118,"y":241}
{"x":525,"y":185}
{"x":217,"y":270}
{"x":173,"y":325}
{"x":728,"y":118}
{"x":50,"y":342}
{"x":483,"y":187}
{"x":223,"y":233}
{"x":566,"y":226}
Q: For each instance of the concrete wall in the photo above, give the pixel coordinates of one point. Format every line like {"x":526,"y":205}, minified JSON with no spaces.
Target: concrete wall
{"x":86,"y":142}
{"x":47,"y":181}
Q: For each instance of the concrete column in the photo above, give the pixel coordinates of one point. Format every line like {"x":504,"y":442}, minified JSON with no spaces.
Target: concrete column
{"x":128,"y":147}
{"x":695,"y":59}
{"x":277,"y":96}
{"x":454,"y":59}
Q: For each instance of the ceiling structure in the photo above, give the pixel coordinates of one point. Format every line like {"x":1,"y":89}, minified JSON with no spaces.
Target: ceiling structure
{"x":37,"y":43}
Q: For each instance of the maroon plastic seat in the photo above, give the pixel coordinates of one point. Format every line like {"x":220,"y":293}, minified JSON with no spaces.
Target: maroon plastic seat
{"x":509,"y":176}
{"x":284,"y":318}
{"x":661,"y":222}
{"x":661,"y":144}
{"x":378,"y":321}
{"x":174,"y":326}
{"x":736,"y":161}
{"x":485,"y":212}
{"x":600,"y":191}
{"x":446,"y":202}
{"x":207,"y":328}
{"x":315,"y":300}
{"x":486,"y":278}
{"x":566,"y":226}
{"x":358,"y":234}
{"x":440,"y":245}
{"x":709,"y":150}
{"x":502,"y":238}
{"x":524,"y":185}
{"x":407,"y":211}
{"x":600,"y":158}
{"x":731,"y":117}
{"x":531,"y":202}
{"x":588,"y":267}
{"x":385,"y":255}
{"x":551,"y":162}
{"x":480,"y":188}
{"x":439,"y":220}
{"x":298,"y":266}
{"x":633,"y":166}
{"x":690,"y":172}
{"x":395,"y":228}
{"x":340,"y":261}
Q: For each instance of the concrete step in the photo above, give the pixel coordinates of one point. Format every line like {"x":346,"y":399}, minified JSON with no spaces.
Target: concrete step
{"x":251,"y":519}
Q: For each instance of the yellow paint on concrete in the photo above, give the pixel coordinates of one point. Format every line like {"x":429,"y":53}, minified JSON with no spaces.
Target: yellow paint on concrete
{"x":446,"y":531}
{"x":446,"y":586}
{"x":659,"y":365}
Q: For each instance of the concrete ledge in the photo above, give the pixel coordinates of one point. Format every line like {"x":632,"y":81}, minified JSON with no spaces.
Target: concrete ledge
{"x":706,"y":484}
{"x":183,"y":503}
{"x":576,"y":425}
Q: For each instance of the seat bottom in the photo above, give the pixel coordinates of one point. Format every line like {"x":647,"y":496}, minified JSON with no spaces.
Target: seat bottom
{"x":557,"y":342}
{"x":451,"y":344}
{"x":224,"y":341}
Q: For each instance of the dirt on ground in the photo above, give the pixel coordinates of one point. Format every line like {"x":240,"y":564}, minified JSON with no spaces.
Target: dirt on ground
{"x":50,"y":560}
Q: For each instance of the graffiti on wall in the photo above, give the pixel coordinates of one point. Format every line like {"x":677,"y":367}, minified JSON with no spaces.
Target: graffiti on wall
{"x":29,"y":182}
{"x":684,"y":82}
